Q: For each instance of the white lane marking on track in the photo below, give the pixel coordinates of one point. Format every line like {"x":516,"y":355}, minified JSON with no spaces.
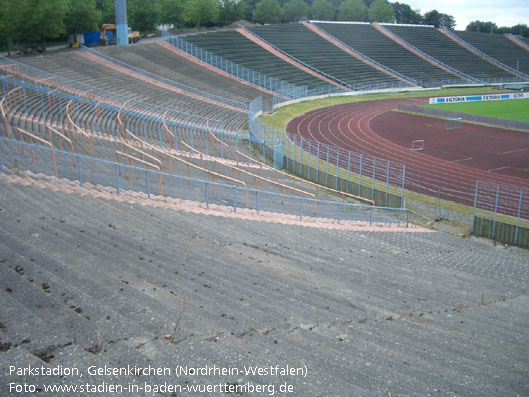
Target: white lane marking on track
{"x":497,"y":169}
{"x":514,"y":151}
{"x":459,"y":161}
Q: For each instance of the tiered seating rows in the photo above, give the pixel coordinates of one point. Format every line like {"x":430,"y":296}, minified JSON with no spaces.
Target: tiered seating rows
{"x":305,"y":45}
{"x":369,"y":41}
{"x":438,"y":46}
{"x":157,"y":60}
{"x":499,"y":47}
{"x":237,"y":48}
{"x":72,"y":66}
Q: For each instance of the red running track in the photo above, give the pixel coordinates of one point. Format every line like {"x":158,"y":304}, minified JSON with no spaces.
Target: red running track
{"x":371,"y":128}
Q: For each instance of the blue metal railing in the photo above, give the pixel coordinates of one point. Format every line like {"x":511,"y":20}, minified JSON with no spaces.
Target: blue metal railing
{"x":208,"y":192}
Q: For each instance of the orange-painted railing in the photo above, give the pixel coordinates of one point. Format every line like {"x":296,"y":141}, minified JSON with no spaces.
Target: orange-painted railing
{"x":32,"y":138}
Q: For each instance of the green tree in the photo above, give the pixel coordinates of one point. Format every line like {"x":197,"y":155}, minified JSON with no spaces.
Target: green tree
{"x":249,"y":8}
{"x":381,"y":11}
{"x":82,"y":16}
{"x":172,"y":12}
{"x":201,"y":13}
{"x":11,"y":18}
{"x":295,"y":10}
{"x":439,"y":20}
{"x":322,"y":10}
{"x":106,"y":11}
{"x":352,"y":10}
{"x":143,"y":15}
{"x":43,"y":20}
{"x":478,"y":26}
{"x":447,"y":21}
{"x":267,"y":11}
{"x":404,"y":14}
{"x":231,"y":11}
{"x":521,"y":30}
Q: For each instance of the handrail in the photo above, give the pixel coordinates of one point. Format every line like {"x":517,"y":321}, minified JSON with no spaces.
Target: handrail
{"x":130,"y":158}
{"x":11,"y":93}
{"x":218,"y":140}
{"x":78,"y":129}
{"x":45,"y":142}
{"x":4,"y":117}
{"x":143,"y":154}
{"x":125,"y":132}
{"x":61,"y":137}
{"x":275,"y":183}
{"x":77,"y":88}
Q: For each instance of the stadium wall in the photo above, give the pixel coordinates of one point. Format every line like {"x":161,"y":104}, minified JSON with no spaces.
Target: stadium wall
{"x":501,"y":232}
{"x":478,"y":98}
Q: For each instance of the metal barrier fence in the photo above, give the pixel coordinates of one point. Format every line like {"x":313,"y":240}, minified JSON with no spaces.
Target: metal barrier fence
{"x":501,"y":212}
{"x":172,"y":83}
{"x":257,"y":78}
{"x":330,"y":166}
{"x":120,"y":177}
{"x":474,"y":118}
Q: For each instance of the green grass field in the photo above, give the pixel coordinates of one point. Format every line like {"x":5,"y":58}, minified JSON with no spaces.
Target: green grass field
{"x":511,"y":109}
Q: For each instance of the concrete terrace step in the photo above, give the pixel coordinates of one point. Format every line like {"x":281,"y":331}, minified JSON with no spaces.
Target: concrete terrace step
{"x":329,"y":300}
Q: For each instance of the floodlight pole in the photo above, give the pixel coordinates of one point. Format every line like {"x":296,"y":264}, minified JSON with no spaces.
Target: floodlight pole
{"x":121,"y":22}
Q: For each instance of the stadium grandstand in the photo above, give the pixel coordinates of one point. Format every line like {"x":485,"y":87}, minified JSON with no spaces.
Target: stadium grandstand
{"x":159,"y":237}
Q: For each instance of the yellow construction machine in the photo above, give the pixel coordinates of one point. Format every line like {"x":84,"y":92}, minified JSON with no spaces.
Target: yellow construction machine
{"x":134,"y":37}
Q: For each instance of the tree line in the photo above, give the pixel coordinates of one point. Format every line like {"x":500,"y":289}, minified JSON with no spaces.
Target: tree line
{"x":32,"y":23}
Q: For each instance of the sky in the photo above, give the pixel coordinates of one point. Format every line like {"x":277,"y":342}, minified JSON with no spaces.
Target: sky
{"x":501,"y":12}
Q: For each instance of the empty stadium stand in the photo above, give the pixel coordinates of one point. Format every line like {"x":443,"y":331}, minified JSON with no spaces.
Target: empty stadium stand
{"x":498,"y":47}
{"x":104,"y":264}
{"x":156,"y":59}
{"x":95,"y":282}
{"x":71,"y":65}
{"x":369,"y":41}
{"x":437,"y":45}
{"x":237,"y":48}
{"x":302,"y":44}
